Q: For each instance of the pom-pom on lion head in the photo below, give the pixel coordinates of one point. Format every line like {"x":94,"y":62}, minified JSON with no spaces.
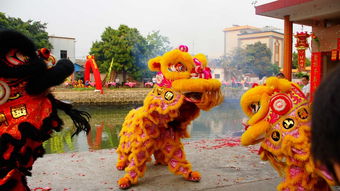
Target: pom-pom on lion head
{"x":188,"y":75}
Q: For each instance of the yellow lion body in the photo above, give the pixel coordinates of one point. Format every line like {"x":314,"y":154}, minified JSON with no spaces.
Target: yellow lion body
{"x":157,"y":127}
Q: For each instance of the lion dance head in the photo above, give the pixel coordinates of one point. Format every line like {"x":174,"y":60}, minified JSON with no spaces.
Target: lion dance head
{"x":28,"y":111}
{"x":279,"y":118}
{"x":190,"y":77}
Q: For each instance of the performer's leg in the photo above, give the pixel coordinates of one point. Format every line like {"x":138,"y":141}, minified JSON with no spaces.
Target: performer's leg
{"x":133,"y":172}
{"x":178,"y":164}
{"x":160,"y":158}
{"x":122,"y":161}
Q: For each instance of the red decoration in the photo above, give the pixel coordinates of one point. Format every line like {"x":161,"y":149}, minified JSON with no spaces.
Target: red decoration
{"x":280,"y":104}
{"x":301,"y":45}
{"x":301,"y":59}
{"x":334,"y":55}
{"x":91,"y":64}
{"x":316,"y":72}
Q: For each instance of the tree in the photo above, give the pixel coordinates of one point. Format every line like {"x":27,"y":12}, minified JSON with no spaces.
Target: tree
{"x":125,"y":46}
{"x":157,"y":44}
{"x":255,"y":58}
{"x":128,"y":50}
{"x":35,"y":30}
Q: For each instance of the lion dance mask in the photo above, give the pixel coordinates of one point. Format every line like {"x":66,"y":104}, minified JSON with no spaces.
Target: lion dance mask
{"x":184,"y":86}
{"x":280,"y":120}
{"x":28,"y":112}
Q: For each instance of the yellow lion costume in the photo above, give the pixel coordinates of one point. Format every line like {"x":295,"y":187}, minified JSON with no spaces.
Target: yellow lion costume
{"x":184,"y":86}
{"x":280,"y":120}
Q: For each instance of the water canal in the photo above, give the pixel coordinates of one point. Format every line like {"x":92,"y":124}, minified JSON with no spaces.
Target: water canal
{"x":222,"y":121}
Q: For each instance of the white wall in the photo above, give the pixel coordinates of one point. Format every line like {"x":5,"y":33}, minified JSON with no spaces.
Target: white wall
{"x":219,"y":71}
{"x":63,"y":43}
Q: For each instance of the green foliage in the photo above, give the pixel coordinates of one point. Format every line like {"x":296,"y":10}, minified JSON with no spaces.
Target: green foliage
{"x":255,"y":58}
{"x":295,"y":61}
{"x":157,"y":44}
{"x":300,"y":74}
{"x":129,"y":51}
{"x":83,"y":89}
{"x":35,"y":30}
{"x":125,"y":46}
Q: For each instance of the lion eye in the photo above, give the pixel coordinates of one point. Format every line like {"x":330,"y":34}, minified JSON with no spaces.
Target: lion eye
{"x":179,"y":67}
{"x":16,"y":58}
{"x":255,"y":107}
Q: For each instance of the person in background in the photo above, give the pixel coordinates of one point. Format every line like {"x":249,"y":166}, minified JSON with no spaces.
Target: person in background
{"x":280,"y":75}
{"x":306,"y":86}
{"x":326,"y":123}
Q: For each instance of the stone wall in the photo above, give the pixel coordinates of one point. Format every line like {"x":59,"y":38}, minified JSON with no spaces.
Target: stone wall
{"x":122,"y":96}
{"x":116,"y":97}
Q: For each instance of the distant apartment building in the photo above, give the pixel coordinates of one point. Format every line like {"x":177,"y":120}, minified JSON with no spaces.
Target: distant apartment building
{"x":63,"y":47}
{"x":241,"y":36}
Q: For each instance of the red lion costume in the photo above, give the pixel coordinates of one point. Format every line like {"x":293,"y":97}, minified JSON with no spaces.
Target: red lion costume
{"x":28,"y":112}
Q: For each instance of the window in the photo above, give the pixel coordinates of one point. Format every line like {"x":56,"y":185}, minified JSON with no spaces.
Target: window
{"x":217,"y":76}
{"x":63,"y":54}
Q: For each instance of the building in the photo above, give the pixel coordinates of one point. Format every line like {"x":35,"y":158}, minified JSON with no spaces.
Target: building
{"x":218,"y":73}
{"x":241,"y":36}
{"x":63,"y":47}
{"x":324,"y":18}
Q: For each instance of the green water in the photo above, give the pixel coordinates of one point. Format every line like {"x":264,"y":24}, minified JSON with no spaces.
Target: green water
{"x":222,"y":121}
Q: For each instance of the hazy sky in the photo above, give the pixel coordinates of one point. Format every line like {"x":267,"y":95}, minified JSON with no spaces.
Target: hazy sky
{"x":196,"y":23}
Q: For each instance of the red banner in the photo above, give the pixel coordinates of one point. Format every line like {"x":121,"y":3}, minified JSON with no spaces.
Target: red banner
{"x":316,"y":72}
{"x":301,"y":59}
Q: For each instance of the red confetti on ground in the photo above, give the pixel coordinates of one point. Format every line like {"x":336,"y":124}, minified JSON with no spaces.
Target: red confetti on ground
{"x":252,"y":150}
{"x":219,"y":143}
{"x":42,"y":189}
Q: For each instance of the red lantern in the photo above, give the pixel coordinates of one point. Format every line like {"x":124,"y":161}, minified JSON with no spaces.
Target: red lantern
{"x":301,"y":45}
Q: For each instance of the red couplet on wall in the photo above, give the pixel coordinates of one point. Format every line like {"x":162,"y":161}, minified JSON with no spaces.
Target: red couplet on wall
{"x":301,"y":59}
{"x":316,"y":72}
{"x":338,"y":48}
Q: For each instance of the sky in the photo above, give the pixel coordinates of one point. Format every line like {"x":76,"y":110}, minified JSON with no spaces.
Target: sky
{"x":198,"y":24}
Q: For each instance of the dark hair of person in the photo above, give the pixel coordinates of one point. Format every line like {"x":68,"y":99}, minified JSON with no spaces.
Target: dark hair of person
{"x":306,"y":76}
{"x":280,"y":75}
{"x":326,"y":121}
